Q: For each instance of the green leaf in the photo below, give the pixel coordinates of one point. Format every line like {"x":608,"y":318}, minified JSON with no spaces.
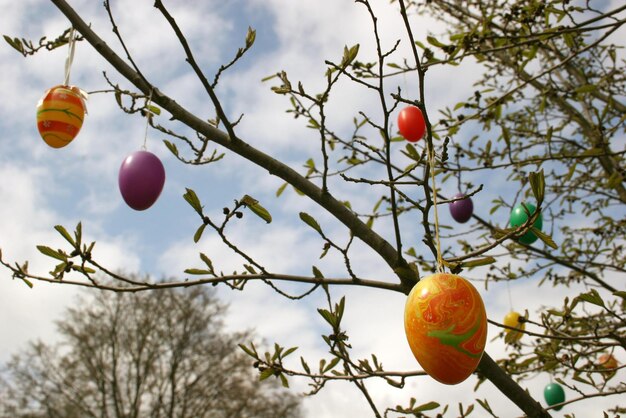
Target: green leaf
{"x":485,"y":405}
{"x":61,"y":230}
{"x":331,"y":365}
{"x":192,"y":198}
{"x":569,"y":40}
{"x":538,"y":185}
{"x":620,"y":293}
{"x":328,"y":316}
{"x":154,"y":109}
{"x":266,"y":373}
{"x":434,"y":41}
{"x":412,"y":153}
{"x":500,"y":232}
{"x":349,"y":55}
{"x":289,"y":351}
{"x":250,"y":37}
{"x":587,"y":88}
{"x":198,"y":234}
{"x":78,"y":233}
{"x":592,"y":297}
{"x":197,"y":272}
{"x":268,"y":78}
{"x":283,"y":380}
{"x":305,"y":366}
{"x":478,"y":262}
{"x":15,"y":43}
{"x":28,"y":283}
{"x":317,"y":273}
{"x":51,"y":253}
{"x":118,"y":97}
{"x":592,"y":152}
{"x":170,"y":146}
{"x":614,"y":181}
{"x":547,"y":239}
{"x":207,"y":261}
{"x":425,"y":407}
{"x":84,"y":270}
{"x":577,"y":377}
{"x":281,"y":189}
{"x":248,"y":351}
{"x":310,"y":221}
{"x":256,"y":208}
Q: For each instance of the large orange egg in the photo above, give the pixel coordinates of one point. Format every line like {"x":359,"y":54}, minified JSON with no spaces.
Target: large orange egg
{"x":446,"y":326}
{"x":60,"y":114}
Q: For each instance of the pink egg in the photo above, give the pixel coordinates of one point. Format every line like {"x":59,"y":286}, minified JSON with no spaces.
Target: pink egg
{"x":141,"y":179}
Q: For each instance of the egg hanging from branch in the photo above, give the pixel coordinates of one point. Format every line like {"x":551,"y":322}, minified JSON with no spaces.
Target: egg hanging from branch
{"x":411,"y":123}
{"x":60,"y":115}
{"x":520,"y":215}
{"x":446,"y":326}
{"x":141,"y":179}
{"x":512,"y":319}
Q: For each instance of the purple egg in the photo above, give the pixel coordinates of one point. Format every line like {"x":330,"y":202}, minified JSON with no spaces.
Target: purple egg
{"x":141,"y":179}
{"x":461,"y":210}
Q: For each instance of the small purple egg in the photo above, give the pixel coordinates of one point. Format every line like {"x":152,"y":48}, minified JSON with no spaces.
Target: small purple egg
{"x":141,"y":179}
{"x":461,"y":210}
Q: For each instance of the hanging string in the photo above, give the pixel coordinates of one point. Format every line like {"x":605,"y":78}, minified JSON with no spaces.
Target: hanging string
{"x":148,"y":116}
{"x":431,"y":157}
{"x":70,"y":57}
{"x":508,"y":288}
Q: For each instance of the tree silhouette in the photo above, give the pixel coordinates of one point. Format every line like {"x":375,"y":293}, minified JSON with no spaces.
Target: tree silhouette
{"x":156,"y":354}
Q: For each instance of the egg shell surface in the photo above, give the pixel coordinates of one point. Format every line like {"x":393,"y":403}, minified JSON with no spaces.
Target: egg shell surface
{"x":446,"y":326}
{"x":461,"y":210}
{"x":411,"y":123}
{"x":141,"y":179}
{"x":60,"y":115}
{"x":512,"y":320}
{"x":519,"y":216}
{"x":554,"y":394}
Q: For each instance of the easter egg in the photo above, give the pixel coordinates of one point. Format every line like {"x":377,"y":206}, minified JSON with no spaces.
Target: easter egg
{"x":512,"y":320}
{"x":554,"y":393}
{"x":411,"y":123}
{"x":461,"y":210}
{"x":446,"y":326}
{"x":60,"y":114}
{"x":141,"y":179}
{"x":607,"y":361}
{"x":519,"y":217}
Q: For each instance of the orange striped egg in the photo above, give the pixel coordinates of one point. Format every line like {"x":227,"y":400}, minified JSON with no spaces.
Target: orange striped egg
{"x":446,"y":326}
{"x":60,"y":114}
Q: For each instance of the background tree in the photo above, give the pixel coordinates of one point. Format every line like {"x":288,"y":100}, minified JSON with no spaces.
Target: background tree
{"x":150,"y":354}
{"x":547,"y":116}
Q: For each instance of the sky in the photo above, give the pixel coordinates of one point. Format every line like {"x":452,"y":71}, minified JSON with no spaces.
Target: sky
{"x":44,"y":187}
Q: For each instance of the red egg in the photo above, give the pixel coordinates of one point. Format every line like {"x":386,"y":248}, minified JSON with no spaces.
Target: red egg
{"x":411,"y":123}
{"x":141,"y":179}
{"x":446,"y":326}
{"x":60,"y":114}
{"x":461,"y":210}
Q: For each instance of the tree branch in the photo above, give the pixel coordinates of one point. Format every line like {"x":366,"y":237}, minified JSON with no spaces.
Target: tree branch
{"x":407,"y":277}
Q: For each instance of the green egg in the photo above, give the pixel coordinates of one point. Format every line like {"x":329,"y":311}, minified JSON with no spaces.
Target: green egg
{"x":519,"y":216}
